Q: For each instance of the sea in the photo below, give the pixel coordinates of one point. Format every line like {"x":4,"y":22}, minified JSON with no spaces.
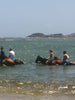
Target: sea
{"x":37,"y":79}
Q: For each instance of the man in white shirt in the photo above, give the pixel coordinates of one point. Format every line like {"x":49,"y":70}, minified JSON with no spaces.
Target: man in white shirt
{"x":11,"y":54}
{"x":66,"y":58}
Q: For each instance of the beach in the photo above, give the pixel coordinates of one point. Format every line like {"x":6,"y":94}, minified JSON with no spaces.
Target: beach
{"x":28,"y":97}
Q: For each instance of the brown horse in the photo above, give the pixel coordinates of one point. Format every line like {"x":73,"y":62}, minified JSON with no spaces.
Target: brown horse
{"x":10,"y":62}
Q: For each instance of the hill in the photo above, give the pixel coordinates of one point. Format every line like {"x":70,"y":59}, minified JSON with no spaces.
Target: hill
{"x":44,"y":35}
{"x":60,"y":35}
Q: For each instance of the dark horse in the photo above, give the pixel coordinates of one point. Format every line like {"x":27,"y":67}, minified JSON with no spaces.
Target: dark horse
{"x":10,"y":62}
{"x":56,"y":61}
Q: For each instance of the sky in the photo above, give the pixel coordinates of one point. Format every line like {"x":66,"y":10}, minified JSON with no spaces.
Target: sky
{"x":20,"y":18}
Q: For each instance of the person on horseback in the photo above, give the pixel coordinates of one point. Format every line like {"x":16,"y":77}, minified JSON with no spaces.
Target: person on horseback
{"x":11,"y":54}
{"x":2,"y":55}
{"x":51,"y":57}
{"x":66,"y":58}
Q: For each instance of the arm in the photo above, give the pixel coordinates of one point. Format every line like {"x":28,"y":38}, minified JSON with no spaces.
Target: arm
{"x":65,"y":57}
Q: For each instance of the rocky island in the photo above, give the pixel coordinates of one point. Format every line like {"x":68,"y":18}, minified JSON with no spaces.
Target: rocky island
{"x":60,"y":35}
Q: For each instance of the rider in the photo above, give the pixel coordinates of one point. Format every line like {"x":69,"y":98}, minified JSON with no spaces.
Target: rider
{"x":2,"y":55}
{"x":51,"y":57}
{"x":11,"y":54}
{"x":66,"y":58}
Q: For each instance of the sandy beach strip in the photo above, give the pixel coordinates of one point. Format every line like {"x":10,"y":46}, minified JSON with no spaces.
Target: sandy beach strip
{"x":28,"y":97}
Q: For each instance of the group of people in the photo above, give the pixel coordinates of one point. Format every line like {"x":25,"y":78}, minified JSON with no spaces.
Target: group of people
{"x":3,"y":56}
{"x":66,"y":58}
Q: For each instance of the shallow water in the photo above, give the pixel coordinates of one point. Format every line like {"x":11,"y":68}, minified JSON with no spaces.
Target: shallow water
{"x":35,"y":79}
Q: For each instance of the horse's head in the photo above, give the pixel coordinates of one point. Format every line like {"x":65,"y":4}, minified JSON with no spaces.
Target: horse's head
{"x":38,"y":59}
{"x":17,"y":61}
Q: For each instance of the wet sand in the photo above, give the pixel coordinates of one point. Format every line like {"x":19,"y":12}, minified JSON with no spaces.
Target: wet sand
{"x":28,"y":97}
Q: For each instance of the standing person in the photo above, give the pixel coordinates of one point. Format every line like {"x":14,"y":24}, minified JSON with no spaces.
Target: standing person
{"x":2,"y":54}
{"x":11,"y":54}
{"x":51,"y":57}
{"x":66,"y":58}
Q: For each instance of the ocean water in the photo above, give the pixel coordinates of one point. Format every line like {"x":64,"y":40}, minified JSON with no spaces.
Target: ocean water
{"x":38,"y":79}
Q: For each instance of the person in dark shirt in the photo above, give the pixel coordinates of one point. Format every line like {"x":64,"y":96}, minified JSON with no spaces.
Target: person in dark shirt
{"x":2,"y":55}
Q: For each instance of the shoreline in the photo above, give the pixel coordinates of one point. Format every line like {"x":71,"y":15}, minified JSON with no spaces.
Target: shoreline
{"x":5,"y":96}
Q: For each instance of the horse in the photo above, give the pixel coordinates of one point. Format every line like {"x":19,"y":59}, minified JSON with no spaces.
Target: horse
{"x":10,"y":62}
